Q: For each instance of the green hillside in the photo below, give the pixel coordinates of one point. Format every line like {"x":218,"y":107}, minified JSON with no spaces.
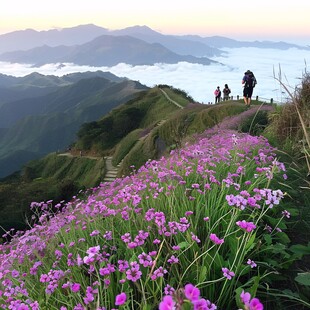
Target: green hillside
{"x":222,"y":214}
{"x":40,"y":125}
{"x":55,"y":177}
{"x":146,"y":127}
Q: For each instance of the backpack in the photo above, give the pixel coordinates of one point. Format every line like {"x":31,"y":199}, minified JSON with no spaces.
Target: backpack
{"x":250,"y":80}
{"x":226,"y":91}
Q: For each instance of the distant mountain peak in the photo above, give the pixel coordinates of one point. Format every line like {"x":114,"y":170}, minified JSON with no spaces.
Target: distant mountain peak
{"x":139,"y":29}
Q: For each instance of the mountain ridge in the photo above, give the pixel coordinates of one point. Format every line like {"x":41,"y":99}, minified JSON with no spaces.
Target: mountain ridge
{"x":180,"y":44}
{"x":49,"y":122}
{"x":105,"y":50}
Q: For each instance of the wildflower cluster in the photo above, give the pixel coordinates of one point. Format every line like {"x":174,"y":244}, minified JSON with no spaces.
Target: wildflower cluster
{"x":187,"y":218}
{"x":190,"y":294}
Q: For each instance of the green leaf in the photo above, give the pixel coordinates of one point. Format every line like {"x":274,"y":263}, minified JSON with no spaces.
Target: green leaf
{"x":283,"y":237}
{"x":183,"y":245}
{"x":237,"y":297}
{"x":303,"y":278}
{"x":250,"y":244}
{"x":268,"y":239}
{"x":279,"y":248}
{"x":202,"y":275}
{"x":300,"y":249}
{"x":288,"y":293}
{"x":254,"y":287}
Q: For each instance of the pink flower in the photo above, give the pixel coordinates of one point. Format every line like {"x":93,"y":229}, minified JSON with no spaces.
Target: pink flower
{"x":251,"y":304}
{"x":195,"y":238}
{"x":133,"y":274}
{"x":245,"y":297}
{"x":75,"y":287}
{"x":203,"y":304}
{"x":191,"y":292}
{"x":216,"y":239}
{"x":286,"y":214}
{"x":167,"y":303}
{"x":227,"y":273}
{"x":92,"y":251}
{"x":251,"y":263}
{"x":255,"y":304}
{"x":247,"y":226}
{"x":120,"y":299}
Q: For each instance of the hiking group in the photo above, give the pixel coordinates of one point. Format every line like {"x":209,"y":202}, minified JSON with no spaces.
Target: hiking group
{"x":248,"y":82}
{"x":226,"y":92}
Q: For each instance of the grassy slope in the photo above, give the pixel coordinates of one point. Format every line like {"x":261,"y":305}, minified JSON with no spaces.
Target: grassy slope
{"x":52,"y":177}
{"x":192,"y":119}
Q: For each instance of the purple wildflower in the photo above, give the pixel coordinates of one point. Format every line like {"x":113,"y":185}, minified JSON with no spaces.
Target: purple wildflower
{"x":216,"y":239}
{"x":286,"y":214}
{"x":203,"y":304}
{"x":75,"y":287}
{"x":167,"y":303}
{"x":255,"y":304}
{"x":120,"y":299}
{"x":251,"y":263}
{"x":227,"y":273}
{"x":173,"y":260}
{"x":195,"y":238}
{"x":191,"y":292}
{"x":245,"y":297}
{"x":247,"y":226}
{"x":169,"y":290}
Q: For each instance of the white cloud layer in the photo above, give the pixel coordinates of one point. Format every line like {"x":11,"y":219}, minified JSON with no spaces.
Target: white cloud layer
{"x":200,"y":81}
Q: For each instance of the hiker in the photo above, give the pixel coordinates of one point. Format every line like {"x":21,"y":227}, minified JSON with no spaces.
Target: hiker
{"x":217,"y":94}
{"x":226,"y":92}
{"x":248,"y":82}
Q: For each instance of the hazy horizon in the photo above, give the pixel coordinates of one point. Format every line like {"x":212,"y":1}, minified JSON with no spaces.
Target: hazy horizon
{"x":200,"y":81}
{"x":262,"y":20}
{"x":303,"y":41}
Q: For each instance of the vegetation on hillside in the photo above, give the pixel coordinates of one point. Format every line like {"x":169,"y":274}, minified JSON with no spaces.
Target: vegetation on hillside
{"x":147,"y":108}
{"x":198,"y":217}
{"x":213,"y":223}
{"x":290,"y":124}
{"x":39,"y":124}
{"x":53,"y":177}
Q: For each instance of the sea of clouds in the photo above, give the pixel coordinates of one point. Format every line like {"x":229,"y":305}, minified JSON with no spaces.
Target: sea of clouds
{"x":200,"y":81}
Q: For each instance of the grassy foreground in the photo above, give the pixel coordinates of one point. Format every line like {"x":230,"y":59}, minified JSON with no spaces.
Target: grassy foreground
{"x":200,"y":229}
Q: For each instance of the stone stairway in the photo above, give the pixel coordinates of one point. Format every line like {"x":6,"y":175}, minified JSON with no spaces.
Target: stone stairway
{"x":111,"y":171}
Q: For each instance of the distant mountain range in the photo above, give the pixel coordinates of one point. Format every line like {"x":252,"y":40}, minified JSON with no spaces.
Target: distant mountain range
{"x":41,"y":114}
{"x":97,"y":46}
{"x":105,"y":50}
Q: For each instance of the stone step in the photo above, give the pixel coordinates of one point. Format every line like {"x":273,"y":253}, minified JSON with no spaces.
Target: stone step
{"x":110,"y":175}
{"x":108,"y":179}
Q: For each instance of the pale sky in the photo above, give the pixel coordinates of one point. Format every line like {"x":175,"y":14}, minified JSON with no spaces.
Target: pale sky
{"x":248,"y":20}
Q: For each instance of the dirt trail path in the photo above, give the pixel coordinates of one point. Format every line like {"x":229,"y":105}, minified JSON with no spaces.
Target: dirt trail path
{"x":169,"y":99}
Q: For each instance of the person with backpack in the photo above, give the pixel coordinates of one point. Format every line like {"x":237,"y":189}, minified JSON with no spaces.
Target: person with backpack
{"x":217,"y":94}
{"x":226,"y":92}
{"x":248,"y":82}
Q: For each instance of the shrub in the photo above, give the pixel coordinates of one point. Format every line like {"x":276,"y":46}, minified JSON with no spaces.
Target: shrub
{"x":255,"y":125}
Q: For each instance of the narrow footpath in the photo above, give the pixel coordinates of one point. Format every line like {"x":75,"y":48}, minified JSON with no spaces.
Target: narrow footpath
{"x":110,"y":170}
{"x":169,"y":99}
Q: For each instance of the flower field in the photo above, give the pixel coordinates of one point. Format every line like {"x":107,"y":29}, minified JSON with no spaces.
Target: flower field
{"x":195,"y":230}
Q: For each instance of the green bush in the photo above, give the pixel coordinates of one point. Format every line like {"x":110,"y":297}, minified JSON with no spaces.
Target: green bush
{"x":255,"y":125}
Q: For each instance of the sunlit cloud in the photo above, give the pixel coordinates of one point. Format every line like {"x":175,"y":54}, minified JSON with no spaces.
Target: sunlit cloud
{"x":200,"y":81}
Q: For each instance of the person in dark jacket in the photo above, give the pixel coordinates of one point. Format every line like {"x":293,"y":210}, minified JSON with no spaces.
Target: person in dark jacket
{"x":248,"y":82}
{"x":226,"y":92}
